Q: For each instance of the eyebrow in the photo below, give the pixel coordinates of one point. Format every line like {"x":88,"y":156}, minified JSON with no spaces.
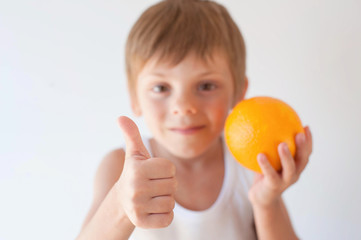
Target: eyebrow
{"x":157,"y":74}
{"x":206,"y":73}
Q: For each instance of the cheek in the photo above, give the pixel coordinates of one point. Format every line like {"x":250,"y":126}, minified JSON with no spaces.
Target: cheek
{"x":219,"y":110}
{"x":153,"y":112}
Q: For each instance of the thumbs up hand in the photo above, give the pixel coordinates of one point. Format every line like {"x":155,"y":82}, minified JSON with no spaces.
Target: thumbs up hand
{"x":147,"y":185}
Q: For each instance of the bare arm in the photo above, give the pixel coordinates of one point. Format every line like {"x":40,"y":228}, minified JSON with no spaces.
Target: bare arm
{"x":273,"y":222}
{"x":104,"y":220}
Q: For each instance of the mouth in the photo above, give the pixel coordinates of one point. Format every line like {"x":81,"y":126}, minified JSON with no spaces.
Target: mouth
{"x":187,"y":130}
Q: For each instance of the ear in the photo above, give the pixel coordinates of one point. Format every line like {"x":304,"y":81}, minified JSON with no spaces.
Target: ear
{"x":241,"y":95}
{"x":245,"y":88}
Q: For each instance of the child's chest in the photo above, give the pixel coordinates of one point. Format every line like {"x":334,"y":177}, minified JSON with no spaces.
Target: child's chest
{"x":199,"y":190}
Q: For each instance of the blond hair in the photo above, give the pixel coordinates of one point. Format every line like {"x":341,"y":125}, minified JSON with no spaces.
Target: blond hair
{"x":173,"y":28}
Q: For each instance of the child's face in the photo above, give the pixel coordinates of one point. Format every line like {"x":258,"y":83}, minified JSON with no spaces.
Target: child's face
{"x":185,"y":106}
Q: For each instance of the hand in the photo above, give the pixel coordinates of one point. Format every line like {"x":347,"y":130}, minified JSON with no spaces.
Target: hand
{"x":147,"y":185}
{"x":269,"y":186}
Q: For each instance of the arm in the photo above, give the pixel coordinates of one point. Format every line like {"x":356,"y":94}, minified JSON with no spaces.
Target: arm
{"x":270,"y":213}
{"x":104,"y":221}
{"x":108,"y":222}
{"x":273,"y":222}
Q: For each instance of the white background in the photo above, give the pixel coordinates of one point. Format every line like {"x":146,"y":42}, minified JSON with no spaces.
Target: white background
{"x":62,"y":86}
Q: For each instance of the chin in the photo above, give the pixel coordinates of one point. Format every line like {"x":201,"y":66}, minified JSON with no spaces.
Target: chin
{"x":187,"y":147}
{"x":189,"y":151}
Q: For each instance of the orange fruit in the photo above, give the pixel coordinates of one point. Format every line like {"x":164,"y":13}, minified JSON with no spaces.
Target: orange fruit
{"x":259,"y":125}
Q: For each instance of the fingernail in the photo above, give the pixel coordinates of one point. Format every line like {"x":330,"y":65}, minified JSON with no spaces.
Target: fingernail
{"x":261,"y":158}
{"x":285,"y":147}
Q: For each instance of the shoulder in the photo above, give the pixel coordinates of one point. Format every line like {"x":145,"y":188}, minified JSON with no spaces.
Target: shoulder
{"x":109,"y":171}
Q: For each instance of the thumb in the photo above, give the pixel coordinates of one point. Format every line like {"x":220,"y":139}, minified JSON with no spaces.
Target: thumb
{"x":133,"y":141}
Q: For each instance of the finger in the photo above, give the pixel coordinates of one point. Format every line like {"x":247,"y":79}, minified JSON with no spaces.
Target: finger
{"x":288,"y":163}
{"x":309,"y":140}
{"x":133,"y":140}
{"x":268,"y":171}
{"x":302,"y":153}
{"x":159,"y":168}
{"x":162,"y":204}
{"x":162,"y":187}
{"x":159,"y":220}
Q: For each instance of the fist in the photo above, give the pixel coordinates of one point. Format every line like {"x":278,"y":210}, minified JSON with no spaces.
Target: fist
{"x":147,"y":185}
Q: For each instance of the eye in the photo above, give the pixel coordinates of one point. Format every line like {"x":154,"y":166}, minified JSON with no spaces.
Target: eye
{"x":207,"y":86}
{"x":160,"y":88}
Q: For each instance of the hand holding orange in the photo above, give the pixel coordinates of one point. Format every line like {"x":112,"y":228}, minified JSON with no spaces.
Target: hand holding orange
{"x":259,"y":125}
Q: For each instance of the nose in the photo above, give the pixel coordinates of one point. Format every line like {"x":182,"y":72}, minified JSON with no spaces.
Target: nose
{"x":184,"y":105}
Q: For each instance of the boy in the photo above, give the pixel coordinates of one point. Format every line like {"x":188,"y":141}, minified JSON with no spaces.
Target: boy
{"x":186,"y":70}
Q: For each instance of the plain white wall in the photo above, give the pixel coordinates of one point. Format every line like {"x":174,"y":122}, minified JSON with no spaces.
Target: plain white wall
{"x":62,"y":86}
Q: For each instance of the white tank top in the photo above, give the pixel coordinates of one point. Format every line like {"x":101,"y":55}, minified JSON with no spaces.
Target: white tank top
{"x":230,"y":216}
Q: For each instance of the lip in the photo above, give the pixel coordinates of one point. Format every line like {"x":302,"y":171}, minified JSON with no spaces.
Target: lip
{"x":187,"y":130}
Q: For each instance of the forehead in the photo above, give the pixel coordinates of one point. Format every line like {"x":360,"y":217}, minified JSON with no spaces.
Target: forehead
{"x":191,"y":64}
